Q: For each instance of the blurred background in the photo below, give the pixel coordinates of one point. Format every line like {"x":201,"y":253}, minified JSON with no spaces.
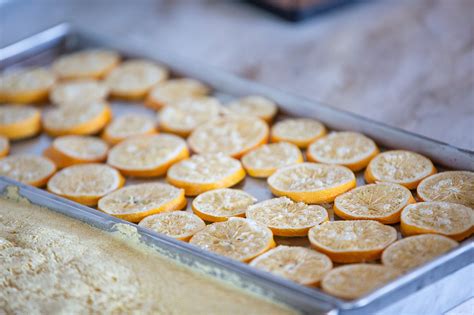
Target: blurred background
{"x":407,"y":63}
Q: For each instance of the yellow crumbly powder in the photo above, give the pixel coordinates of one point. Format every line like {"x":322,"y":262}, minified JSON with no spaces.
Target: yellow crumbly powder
{"x":52,"y":264}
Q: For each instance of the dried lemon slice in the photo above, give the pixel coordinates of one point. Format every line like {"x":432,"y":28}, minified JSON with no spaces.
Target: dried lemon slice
{"x":230,"y":136}
{"x":91,"y":63}
{"x":180,"y":225}
{"x":311,"y":182}
{"x":452,"y":186}
{"x":133,"y":203}
{"x":147,"y":156}
{"x":29,"y":169}
{"x":19,"y":122}
{"x":266,"y":159}
{"x":299,"y":264}
{"x":171,"y":92}
{"x":299,"y":131}
{"x":354,"y":281}
{"x":411,"y":252}
{"x":183,"y":117}
{"x":401,"y":167}
{"x":220,"y":204}
{"x":4,"y":146}
{"x":254,"y":105}
{"x":81,"y":119}
{"x":449,"y":219}
{"x":85,"y":183}
{"x":352,"y":241}
{"x":69,"y":150}
{"x":133,"y":79}
{"x":80,"y":91}
{"x":350,"y":149}
{"x":236,"y":238}
{"x":382,"y":202}
{"x":201,"y":173}
{"x":30,"y":85}
{"x":286,"y":217}
{"x":127,"y":126}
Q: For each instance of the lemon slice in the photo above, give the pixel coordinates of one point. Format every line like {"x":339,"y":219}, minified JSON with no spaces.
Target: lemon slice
{"x":147,"y":156}
{"x":254,"y":105}
{"x":133,"y":79}
{"x":183,"y":117}
{"x":354,"y":281}
{"x":411,"y":252}
{"x":286,"y":217}
{"x":4,"y":146}
{"x":69,"y":150}
{"x":85,"y":183}
{"x":180,"y":225}
{"x":91,"y":63}
{"x":299,"y":131}
{"x":266,"y":159}
{"x":19,"y":122}
{"x":231,"y":136}
{"x":29,"y":85}
{"x":236,"y":238}
{"x":202,"y":173}
{"x":452,"y":186}
{"x":133,"y":203}
{"x":299,"y":264}
{"x":81,"y":119}
{"x":29,"y":169}
{"x":311,"y":182}
{"x":449,"y":219}
{"x":382,"y":202}
{"x":352,"y":241}
{"x":79,"y":91}
{"x":171,"y":92}
{"x":127,"y":126}
{"x":401,"y":167}
{"x":220,"y":204}
{"x":351,"y":149}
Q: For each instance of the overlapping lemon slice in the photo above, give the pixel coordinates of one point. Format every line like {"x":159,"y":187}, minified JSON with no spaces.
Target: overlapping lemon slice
{"x":91,"y":63}
{"x":4,"y":146}
{"x":220,"y":204}
{"x":133,"y":79}
{"x":18,"y":122}
{"x":85,"y":183}
{"x":30,"y":85}
{"x":127,"y":126}
{"x":29,"y":169}
{"x":356,"y":280}
{"x":311,"y":182}
{"x":299,"y":131}
{"x":184,"y":116}
{"x":147,"y":156}
{"x":202,"y":173}
{"x":180,"y":225}
{"x":351,"y":149}
{"x":254,"y":105}
{"x":352,"y":241}
{"x":452,"y":186}
{"x":232,"y":136}
{"x":286,"y":217}
{"x":401,"y":167}
{"x":436,"y":217}
{"x":382,"y":202}
{"x":236,"y":238}
{"x":299,"y":264}
{"x":411,"y":252}
{"x":78,"y":91}
{"x":133,"y":203}
{"x":69,"y":150}
{"x":266,"y":159}
{"x":171,"y":92}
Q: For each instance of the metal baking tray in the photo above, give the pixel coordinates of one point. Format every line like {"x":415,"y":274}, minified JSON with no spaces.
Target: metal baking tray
{"x":44,"y":47}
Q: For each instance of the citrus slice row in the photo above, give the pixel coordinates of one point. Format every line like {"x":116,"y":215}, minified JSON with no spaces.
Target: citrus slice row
{"x":19,"y":122}
{"x":299,"y":131}
{"x":29,"y":169}
{"x":24,"y":86}
{"x":78,"y":91}
{"x":254,"y":105}
{"x":180,"y":225}
{"x":128,"y":126}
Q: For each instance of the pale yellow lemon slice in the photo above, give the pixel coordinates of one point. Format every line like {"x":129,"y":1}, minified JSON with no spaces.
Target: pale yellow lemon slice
{"x":299,"y":131}
{"x":4,"y":146}
{"x":127,"y":126}
{"x":19,"y":122}
{"x":254,"y":105}
{"x":78,"y":91}
{"x":29,"y":169}
{"x":30,"y":85}
{"x":180,"y":225}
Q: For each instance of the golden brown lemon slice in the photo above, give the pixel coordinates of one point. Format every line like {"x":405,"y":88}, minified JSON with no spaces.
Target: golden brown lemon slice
{"x":299,"y":131}
{"x":30,"y":85}
{"x":19,"y":122}
{"x":254,"y":105}
{"x":180,"y":225}
{"x":29,"y":169}
{"x":127,"y":126}
{"x":4,"y":146}
{"x":78,"y":91}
